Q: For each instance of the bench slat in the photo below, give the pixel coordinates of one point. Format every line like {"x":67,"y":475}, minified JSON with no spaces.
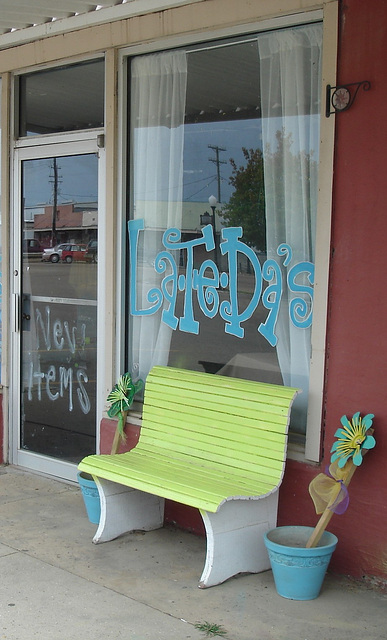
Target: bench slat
{"x":186,"y":377}
{"x":194,"y":485}
{"x":217,"y":471}
{"x":255,"y":416}
{"x":216,"y":427}
{"x":235,"y":435}
{"x":226,"y":397}
{"x":220,"y":455}
{"x":151,"y":464}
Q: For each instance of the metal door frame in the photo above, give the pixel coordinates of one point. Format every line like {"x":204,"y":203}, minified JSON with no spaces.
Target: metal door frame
{"x":46,"y":147}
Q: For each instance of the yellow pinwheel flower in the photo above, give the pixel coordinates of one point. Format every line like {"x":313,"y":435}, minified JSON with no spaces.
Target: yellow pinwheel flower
{"x":352,"y":438}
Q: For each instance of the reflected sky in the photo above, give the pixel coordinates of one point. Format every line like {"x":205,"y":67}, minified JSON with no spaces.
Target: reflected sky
{"x":76,"y":175}
{"x":76,"y":180}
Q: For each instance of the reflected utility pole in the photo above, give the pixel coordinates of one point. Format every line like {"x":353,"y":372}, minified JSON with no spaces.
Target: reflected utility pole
{"x":217,"y":162}
{"x":212,"y":200}
{"x":55,"y":201}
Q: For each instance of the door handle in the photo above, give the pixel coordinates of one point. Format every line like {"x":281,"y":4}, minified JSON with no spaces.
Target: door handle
{"x":21,"y":319}
{"x":15,"y":312}
{"x":26,"y":312}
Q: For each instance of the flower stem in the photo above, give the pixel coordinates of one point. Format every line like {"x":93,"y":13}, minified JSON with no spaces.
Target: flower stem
{"x":326,"y":515}
{"x":118,"y":436}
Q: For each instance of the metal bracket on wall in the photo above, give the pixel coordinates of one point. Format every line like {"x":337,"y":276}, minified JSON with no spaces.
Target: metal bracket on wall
{"x":342,"y":97}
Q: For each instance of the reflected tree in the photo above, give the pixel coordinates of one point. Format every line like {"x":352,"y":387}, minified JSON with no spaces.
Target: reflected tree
{"x":290,"y":184}
{"x":246,"y":207}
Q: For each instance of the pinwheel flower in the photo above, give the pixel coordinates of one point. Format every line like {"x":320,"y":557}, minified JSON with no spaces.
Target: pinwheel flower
{"x":352,"y":438}
{"x":121,"y":398}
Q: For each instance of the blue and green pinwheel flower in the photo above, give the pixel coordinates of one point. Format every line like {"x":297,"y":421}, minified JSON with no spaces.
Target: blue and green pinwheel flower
{"x":121,"y":398}
{"x":352,"y":438}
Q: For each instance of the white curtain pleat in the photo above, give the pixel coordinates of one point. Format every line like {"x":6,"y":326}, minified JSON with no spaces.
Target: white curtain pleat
{"x":158,"y":95}
{"x":290,"y":78}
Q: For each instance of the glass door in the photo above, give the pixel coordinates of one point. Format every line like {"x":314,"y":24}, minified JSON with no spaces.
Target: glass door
{"x":56,"y":315}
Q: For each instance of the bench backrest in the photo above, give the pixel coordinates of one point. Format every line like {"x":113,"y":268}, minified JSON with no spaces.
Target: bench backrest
{"x":222,"y":420}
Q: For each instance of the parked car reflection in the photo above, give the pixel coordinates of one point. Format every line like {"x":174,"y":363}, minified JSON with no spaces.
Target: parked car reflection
{"x":92,"y":251}
{"x":32,"y":248}
{"x":53,"y":254}
{"x":74,"y":252}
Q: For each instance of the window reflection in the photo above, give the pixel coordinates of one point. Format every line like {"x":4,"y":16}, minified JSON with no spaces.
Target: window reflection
{"x":66,"y":98}
{"x":238,"y":121}
{"x":59,"y":306}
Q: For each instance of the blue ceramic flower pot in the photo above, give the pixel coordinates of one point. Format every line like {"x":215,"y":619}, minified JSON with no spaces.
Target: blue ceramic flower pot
{"x":298,"y":572}
{"x":90,"y":497}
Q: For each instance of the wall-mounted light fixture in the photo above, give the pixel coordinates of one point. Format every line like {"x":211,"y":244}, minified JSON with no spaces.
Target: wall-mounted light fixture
{"x":342,"y":97}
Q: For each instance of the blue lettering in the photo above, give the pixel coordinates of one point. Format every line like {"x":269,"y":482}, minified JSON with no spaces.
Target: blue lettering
{"x":168,"y":287}
{"x":188,"y":282}
{"x":206,"y":281}
{"x":229,"y":308}
{"x":154,"y":296}
{"x":207,"y":289}
{"x":271,"y":299}
{"x":300,"y":309}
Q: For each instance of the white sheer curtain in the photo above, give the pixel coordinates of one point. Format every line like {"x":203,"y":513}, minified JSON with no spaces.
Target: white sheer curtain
{"x":290,"y":88}
{"x":158,"y":94}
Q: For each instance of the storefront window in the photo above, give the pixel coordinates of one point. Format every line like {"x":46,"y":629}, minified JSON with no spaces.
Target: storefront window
{"x":68,"y":98}
{"x":223,"y":188}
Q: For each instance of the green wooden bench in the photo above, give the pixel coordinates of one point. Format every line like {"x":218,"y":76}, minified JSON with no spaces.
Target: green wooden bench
{"x":211,"y":442}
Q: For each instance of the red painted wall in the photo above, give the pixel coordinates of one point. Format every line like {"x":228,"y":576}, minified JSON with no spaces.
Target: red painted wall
{"x":356,"y":335}
{"x":357,"y":340}
{"x":107,"y":431}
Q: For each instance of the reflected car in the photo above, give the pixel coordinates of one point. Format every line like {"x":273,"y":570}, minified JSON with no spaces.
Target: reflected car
{"x":32,"y":248}
{"x":53,"y":254}
{"x":73,"y":253}
{"x":92,"y":251}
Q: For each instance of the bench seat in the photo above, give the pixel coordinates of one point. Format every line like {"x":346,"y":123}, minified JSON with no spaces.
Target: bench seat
{"x":210,"y":442}
{"x":198,"y":485}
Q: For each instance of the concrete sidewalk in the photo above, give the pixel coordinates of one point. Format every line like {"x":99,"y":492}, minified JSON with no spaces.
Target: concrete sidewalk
{"x":56,"y":585}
